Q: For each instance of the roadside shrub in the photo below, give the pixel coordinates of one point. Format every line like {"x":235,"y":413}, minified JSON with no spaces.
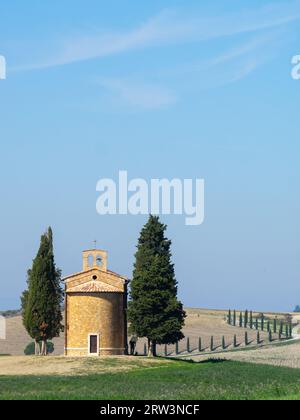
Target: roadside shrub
{"x":30,"y":348}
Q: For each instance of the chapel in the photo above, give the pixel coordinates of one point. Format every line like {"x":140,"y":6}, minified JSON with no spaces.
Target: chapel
{"x":95,"y":309}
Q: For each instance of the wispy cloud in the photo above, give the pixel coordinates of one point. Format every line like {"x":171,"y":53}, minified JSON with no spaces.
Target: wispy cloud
{"x":171,"y":27}
{"x":231,"y":65}
{"x":138,"y":95}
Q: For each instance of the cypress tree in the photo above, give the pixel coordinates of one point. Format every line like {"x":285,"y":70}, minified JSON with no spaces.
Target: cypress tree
{"x":262,"y":322}
{"x":234,"y":318}
{"x":154,"y":310}
{"x":200,"y":345}
{"x":212,"y":347}
{"x":287,"y":331}
{"x":275,"y":326}
{"x":256,"y":324}
{"x":270,"y":336}
{"x":246,"y":339}
{"x":177,"y":348}
{"x":42,"y":301}
{"x":281,"y":329}
{"x":223,"y":343}
{"x":258,"y":337}
{"x":235,"y":341}
{"x":290,"y":330}
{"x":188,"y":347}
{"x":246,"y":319}
{"x":229,"y":317}
{"x":251,"y":320}
{"x":241,"y":320}
{"x":268,"y":326}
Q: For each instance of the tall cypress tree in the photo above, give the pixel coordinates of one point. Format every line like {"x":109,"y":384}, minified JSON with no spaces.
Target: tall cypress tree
{"x":154,"y":310}
{"x":241,"y":320}
{"x":234,"y":318}
{"x":41,"y":302}
{"x":246,"y":319}
{"x":251,"y":320}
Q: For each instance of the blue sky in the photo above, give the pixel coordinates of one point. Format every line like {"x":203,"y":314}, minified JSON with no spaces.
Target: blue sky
{"x":182,"y":89}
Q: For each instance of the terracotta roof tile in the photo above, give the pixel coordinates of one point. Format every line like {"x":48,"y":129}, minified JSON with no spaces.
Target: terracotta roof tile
{"x":94,"y":287}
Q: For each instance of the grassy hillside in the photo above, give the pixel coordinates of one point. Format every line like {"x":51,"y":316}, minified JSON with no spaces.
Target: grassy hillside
{"x":199,"y":323}
{"x":167,"y":380}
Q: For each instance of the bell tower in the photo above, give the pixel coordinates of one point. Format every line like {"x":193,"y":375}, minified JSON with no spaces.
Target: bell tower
{"x":94,"y":258}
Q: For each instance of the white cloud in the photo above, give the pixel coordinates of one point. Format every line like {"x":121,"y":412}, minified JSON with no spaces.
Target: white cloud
{"x":171,"y":27}
{"x":138,"y":95}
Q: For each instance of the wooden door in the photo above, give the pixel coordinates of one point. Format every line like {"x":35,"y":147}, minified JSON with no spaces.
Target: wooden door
{"x":93,"y":344}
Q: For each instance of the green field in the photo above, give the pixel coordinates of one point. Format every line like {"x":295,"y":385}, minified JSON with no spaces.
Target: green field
{"x":177,"y":380}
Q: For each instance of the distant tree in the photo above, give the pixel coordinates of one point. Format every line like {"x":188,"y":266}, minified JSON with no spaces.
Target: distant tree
{"x":188,"y":346}
{"x":287,"y":331}
{"x":241,"y":320}
{"x":251,"y":320}
{"x":290,"y":330}
{"x":275,"y":326}
{"x":42,"y":301}
{"x":246,"y":319}
{"x":154,"y":310}
{"x":223,"y":343}
{"x":270,"y":336}
{"x":212,"y":346}
{"x":229,"y":317}
{"x":262,"y":322}
{"x":234,"y":318}
{"x":235,"y":341}
{"x":281,"y":329}
{"x":200,"y":345}
{"x":297,"y":309}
